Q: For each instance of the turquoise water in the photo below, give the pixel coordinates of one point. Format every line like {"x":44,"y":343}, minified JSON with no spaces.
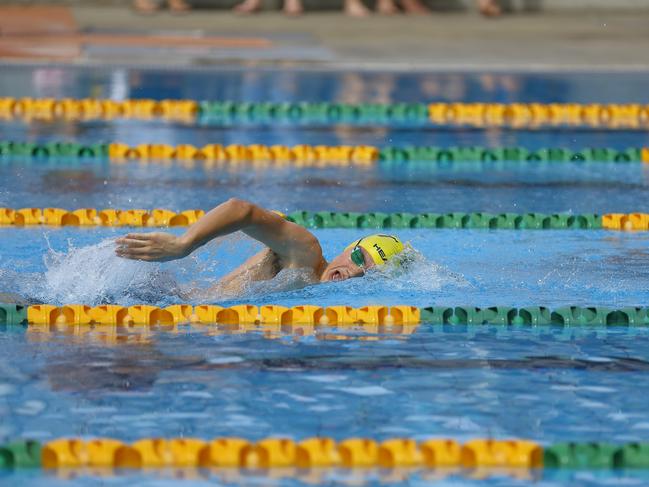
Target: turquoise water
{"x":545,"y":383}
{"x":548,"y":478}
{"x":453,"y":267}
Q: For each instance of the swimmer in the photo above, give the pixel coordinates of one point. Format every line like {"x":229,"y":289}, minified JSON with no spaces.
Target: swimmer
{"x":288,"y":246}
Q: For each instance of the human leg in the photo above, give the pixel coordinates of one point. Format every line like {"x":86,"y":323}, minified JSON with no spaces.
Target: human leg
{"x":386,"y":7}
{"x":248,"y":6}
{"x":293,"y":7}
{"x":356,"y":8}
{"x":178,"y":6}
{"x":147,"y":6}
{"x":489,"y":8}
{"x":414,"y":7}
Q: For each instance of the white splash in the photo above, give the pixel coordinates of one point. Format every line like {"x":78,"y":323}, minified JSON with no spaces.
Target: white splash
{"x":94,"y":274}
{"x":411,"y":270}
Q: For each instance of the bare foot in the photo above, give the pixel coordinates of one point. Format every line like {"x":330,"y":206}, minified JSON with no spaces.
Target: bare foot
{"x":178,"y":6}
{"x":248,"y":6}
{"x":355,"y":8}
{"x":293,"y":7}
{"x":386,"y":7}
{"x":414,"y":7}
{"x":489,"y":8}
{"x":146,"y":6}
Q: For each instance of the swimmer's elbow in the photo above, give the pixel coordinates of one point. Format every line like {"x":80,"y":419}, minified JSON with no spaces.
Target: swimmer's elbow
{"x":242,"y":208}
{"x":249,"y":214}
{"x":238,"y":203}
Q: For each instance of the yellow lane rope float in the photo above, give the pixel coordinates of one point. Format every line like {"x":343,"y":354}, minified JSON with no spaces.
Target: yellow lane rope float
{"x":285,"y":453}
{"x":307,"y":155}
{"x":79,"y":314}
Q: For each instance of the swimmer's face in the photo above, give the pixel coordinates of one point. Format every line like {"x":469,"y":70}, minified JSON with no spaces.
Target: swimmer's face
{"x":342,"y":267}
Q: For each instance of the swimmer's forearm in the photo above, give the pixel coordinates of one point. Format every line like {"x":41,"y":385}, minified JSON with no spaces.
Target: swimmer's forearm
{"x":293,"y":244}
{"x":228,"y":217}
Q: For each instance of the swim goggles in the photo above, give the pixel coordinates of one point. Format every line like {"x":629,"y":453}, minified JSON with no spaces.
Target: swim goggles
{"x":357,"y":255}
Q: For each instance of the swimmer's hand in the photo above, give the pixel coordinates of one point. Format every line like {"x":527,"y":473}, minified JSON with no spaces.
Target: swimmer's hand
{"x":153,"y":247}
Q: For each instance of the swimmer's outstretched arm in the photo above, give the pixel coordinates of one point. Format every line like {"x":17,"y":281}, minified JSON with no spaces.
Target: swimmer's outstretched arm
{"x":296,"y":246}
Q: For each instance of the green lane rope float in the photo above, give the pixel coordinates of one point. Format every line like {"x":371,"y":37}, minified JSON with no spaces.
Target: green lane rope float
{"x":319,"y":453}
{"x":429,"y":154}
{"x":309,"y":155}
{"x":448,"y":220}
{"x":159,"y":217}
{"x":311,"y":315}
{"x":477,"y":115}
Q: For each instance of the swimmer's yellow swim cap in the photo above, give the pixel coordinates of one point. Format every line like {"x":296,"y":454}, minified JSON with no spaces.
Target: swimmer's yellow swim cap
{"x":380,"y":247}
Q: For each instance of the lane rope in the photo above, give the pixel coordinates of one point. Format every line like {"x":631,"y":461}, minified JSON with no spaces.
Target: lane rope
{"x":312,"y":315}
{"x":309,"y":155}
{"x":631,"y":116}
{"x":160,"y":217}
{"x":320,"y":453}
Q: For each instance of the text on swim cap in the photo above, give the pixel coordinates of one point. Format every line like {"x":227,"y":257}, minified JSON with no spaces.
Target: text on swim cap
{"x":381,"y":253}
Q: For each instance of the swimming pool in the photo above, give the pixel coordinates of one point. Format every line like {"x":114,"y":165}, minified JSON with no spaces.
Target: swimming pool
{"x":550,"y":384}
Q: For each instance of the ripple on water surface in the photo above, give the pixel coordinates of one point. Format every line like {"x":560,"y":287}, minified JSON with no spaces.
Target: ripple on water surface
{"x":549,"y":384}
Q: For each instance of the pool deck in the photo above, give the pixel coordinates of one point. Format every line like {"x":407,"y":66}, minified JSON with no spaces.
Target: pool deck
{"x":555,"y":40}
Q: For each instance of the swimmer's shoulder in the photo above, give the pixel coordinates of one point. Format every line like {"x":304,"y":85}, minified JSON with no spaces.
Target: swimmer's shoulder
{"x":307,"y":254}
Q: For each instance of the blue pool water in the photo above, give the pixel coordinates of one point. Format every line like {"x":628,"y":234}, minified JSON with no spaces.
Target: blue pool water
{"x":456,"y":267}
{"x":548,"y":384}
{"x":519,"y":188}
